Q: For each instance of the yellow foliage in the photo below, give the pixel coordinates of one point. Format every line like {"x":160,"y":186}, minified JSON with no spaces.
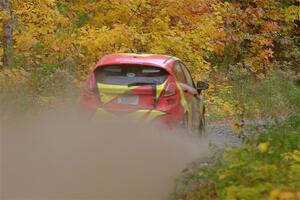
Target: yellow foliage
{"x":231,"y":192}
{"x":292,"y":156}
{"x":4,"y":16}
{"x":283,"y":195}
{"x":12,"y":76}
{"x":263,"y":147}
{"x":26,"y":41}
{"x":292,"y":13}
{"x":224,"y":174}
{"x":236,"y":127}
{"x":38,"y":19}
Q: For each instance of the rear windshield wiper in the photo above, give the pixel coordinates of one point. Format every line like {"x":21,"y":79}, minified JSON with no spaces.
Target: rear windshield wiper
{"x":140,"y":84}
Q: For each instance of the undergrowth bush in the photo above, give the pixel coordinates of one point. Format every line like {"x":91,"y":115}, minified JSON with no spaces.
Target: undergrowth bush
{"x":275,"y":96}
{"x":245,"y":96}
{"x":26,"y":91}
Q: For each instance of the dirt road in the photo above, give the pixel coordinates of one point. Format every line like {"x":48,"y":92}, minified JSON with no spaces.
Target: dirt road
{"x":221,"y":135}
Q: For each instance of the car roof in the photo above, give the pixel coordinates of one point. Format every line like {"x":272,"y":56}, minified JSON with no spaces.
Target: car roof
{"x":146,"y":59}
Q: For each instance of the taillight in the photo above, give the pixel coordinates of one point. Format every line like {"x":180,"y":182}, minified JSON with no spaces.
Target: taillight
{"x":170,"y":90}
{"x":89,"y":101}
{"x":170,"y":96}
{"x":89,"y":93}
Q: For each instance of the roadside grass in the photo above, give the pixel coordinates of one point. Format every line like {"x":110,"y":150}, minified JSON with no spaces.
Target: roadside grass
{"x":246,"y":97}
{"x":267,"y":165}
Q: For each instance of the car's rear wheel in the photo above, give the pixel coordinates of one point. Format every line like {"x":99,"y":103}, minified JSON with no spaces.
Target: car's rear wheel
{"x":202,"y":125}
{"x":185,"y":122}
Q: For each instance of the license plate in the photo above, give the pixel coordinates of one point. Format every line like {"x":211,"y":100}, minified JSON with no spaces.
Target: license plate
{"x":128,"y":100}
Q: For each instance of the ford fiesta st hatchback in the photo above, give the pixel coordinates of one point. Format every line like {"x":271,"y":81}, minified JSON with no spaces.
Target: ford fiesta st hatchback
{"x":153,"y":87}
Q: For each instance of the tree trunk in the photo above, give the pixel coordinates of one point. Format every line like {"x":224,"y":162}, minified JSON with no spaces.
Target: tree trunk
{"x":8,"y":30}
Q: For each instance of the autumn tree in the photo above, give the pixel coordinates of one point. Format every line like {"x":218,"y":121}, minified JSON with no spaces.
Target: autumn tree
{"x":8,"y":32}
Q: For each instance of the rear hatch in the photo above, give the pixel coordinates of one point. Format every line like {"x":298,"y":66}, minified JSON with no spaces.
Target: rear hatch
{"x":130,"y":87}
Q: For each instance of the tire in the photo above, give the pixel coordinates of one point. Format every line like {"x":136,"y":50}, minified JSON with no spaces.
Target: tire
{"x":185,"y":122}
{"x":202,"y":125}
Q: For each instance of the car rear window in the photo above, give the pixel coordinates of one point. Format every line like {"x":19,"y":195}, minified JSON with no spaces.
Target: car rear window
{"x":131,"y":75}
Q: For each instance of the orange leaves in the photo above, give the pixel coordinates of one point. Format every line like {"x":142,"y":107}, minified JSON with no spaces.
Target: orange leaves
{"x":199,"y":8}
{"x":53,"y":42}
{"x":249,"y":33}
{"x":271,"y":26}
{"x":50,"y":2}
{"x":91,"y":6}
{"x":260,"y":55}
{"x":269,"y":53}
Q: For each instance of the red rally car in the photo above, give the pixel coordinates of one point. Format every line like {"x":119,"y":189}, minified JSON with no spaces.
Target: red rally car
{"x":154,"y":87}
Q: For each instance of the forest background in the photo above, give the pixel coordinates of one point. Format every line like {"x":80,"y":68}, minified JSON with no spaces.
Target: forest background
{"x":51,"y":44}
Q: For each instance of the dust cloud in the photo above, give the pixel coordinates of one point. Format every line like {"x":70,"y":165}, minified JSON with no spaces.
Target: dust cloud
{"x":59,"y":157}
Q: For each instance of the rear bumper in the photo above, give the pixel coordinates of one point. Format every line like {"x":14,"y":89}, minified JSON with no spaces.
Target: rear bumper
{"x":139,"y":114}
{"x":166,"y":118}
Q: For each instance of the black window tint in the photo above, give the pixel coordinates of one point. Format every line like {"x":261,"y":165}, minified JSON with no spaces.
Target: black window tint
{"x":188,"y":77}
{"x":178,"y":73}
{"x":130,"y":74}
